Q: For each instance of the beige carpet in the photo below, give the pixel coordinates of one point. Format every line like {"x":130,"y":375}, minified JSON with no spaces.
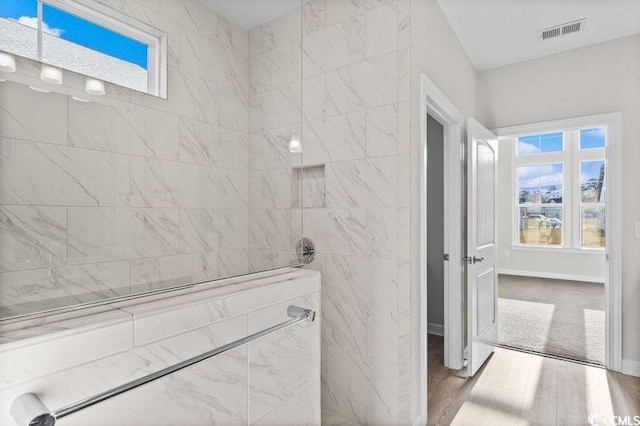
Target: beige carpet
{"x":556,"y":317}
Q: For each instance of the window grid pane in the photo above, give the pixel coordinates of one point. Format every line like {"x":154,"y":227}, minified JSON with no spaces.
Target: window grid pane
{"x":593,"y":138}
{"x":540,"y":144}
{"x":541,"y":225}
{"x":592,"y":226}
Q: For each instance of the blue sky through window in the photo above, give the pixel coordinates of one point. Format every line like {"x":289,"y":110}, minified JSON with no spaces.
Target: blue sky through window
{"x":536,"y":144}
{"x":592,"y":138}
{"x":76,"y":30}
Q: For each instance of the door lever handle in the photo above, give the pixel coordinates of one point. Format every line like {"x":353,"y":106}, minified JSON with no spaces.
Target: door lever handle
{"x":473,"y":259}
{"x":478,"y":259}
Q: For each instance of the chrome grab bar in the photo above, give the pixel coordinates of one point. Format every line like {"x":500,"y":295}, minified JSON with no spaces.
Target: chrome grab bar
{"x":27,"y":409}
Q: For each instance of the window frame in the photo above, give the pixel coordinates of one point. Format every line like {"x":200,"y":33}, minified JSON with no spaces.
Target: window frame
{"x":117,"y":22}
{"x":571,"y":158}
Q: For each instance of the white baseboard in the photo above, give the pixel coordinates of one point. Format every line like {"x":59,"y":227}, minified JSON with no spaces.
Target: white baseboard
{"x":437,"y":329}
{"x":552,"y":275}
{"x":631,"y":367}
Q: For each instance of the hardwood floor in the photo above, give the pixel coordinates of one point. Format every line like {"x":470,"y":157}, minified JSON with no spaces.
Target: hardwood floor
{"x":516,"y":388}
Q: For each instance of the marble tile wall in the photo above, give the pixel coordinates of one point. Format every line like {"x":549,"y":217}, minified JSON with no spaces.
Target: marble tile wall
{"x":271,"y":381}
{"x":130,"y":191}
{"x":355,"y":128}
{"x":275,"y":117}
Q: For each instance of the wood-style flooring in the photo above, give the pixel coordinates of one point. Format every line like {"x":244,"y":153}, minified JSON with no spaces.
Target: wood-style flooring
{"x":516,"y":388}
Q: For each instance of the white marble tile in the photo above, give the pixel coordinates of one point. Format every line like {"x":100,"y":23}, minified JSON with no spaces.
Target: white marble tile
{"x":255,"y":42}
{"x":270,"y":149}
{"x":302,"y":410}
{"x":161,"y":272}
{"x":282,"y":106}
{"x":282,"y":364}
{"x":282,"y":29}
{"x":32,"y":237}
{"x":363,"y":85}
{"x":362,"y":183}
{"x":335,"y":46}
{"x":338,"y":10}
{"x":382,"y":131}
{"x":206,"y":144}
{"x":404,"y":286}
{"x":404,"y":128}
{"x":104,"y":234}
{"x":337,"y":231}
{"x":404,"y":180}
{"x":313,"y":99}
{"x":382,"y":229}
{"x":344,"y":325}
{"x":372,"y":383}
{"x":308,"y":187}
{"x":313,"y":16}
{"x":275,"y":189}
{"x":272,"y":69}
{"x":382,"y":335}
{"x":123,"y":128}
{"x":360,"y":282}
{"x":269,"y":229}
{"x":233,"y":262}
{"x":28,"y":363}
{"x":199,"y":230}
{"x":232,"y":36}
{"x":382,"y":30}
{"x":233,"y":228}
{"x":45,"y":174}
{"x":404,"y":233}
{"x":337,"y":138}
{"x":26,"y":114}
{"x":37,"y":289}
{"x":404,"y":74}
{"x":233,"y":106}
{"x":404,"y":23}
{"x":191,"y":96}
{"x":233,"y":189}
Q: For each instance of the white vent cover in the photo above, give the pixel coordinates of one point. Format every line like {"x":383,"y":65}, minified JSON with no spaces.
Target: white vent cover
{"x":562,"y":30}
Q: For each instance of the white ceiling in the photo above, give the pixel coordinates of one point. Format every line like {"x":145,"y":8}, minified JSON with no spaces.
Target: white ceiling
{"x":250,"y":14}
{"x":501,"y":32}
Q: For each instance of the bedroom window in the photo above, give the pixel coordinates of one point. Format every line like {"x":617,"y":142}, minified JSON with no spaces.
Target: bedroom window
{"x":560,"y":189}
{"x":87,"y":38}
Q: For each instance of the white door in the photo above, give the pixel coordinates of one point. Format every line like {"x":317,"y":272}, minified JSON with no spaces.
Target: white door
{"x":482,"y":278}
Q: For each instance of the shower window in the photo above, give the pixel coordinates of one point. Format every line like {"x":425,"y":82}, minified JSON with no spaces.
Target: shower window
{"x":88,"y":40}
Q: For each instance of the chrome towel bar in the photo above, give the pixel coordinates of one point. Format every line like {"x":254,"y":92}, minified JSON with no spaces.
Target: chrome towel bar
{"x":27,"y":409}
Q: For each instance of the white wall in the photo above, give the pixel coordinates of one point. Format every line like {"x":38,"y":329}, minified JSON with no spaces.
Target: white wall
{"x":591,"y":80}
{"x":569,"y":265}
{"x":437,"y":53}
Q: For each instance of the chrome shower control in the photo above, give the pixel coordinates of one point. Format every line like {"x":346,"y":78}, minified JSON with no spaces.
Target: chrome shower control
{"x":305,"y":250}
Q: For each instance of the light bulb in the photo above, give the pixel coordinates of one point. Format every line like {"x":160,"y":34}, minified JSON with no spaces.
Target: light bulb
{"x":51,"y":75}
{"x":94,"y":87}
{"x":7,"y":62}
{"x":39,"y":89}
{"x":295,"y":147}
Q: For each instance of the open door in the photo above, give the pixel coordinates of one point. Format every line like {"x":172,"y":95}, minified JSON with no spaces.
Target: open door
{"x":482,"y":277}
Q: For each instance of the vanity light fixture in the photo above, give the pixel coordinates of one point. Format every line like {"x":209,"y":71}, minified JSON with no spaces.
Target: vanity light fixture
{"x":39,"y":89}
{"x":94,"y":87}
{"x":295,"y":147}
{"x":7,"y":62}
{"x":51,"y":75}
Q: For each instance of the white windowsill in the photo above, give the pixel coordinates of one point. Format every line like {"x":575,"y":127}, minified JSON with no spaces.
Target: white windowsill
{"x":599,"y":251}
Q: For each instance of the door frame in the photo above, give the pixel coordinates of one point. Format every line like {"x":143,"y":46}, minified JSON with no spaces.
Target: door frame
{"x":433,"y":102}
{"x":613,"y":218}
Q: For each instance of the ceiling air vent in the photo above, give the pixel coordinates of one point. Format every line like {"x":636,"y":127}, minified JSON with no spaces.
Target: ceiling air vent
{"x":561,"y":30}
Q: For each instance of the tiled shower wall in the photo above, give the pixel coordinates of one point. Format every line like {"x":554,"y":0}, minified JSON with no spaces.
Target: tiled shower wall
{"x":355,"y":138}
{"x":129,"y":189}
{"x":275,"y":116}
